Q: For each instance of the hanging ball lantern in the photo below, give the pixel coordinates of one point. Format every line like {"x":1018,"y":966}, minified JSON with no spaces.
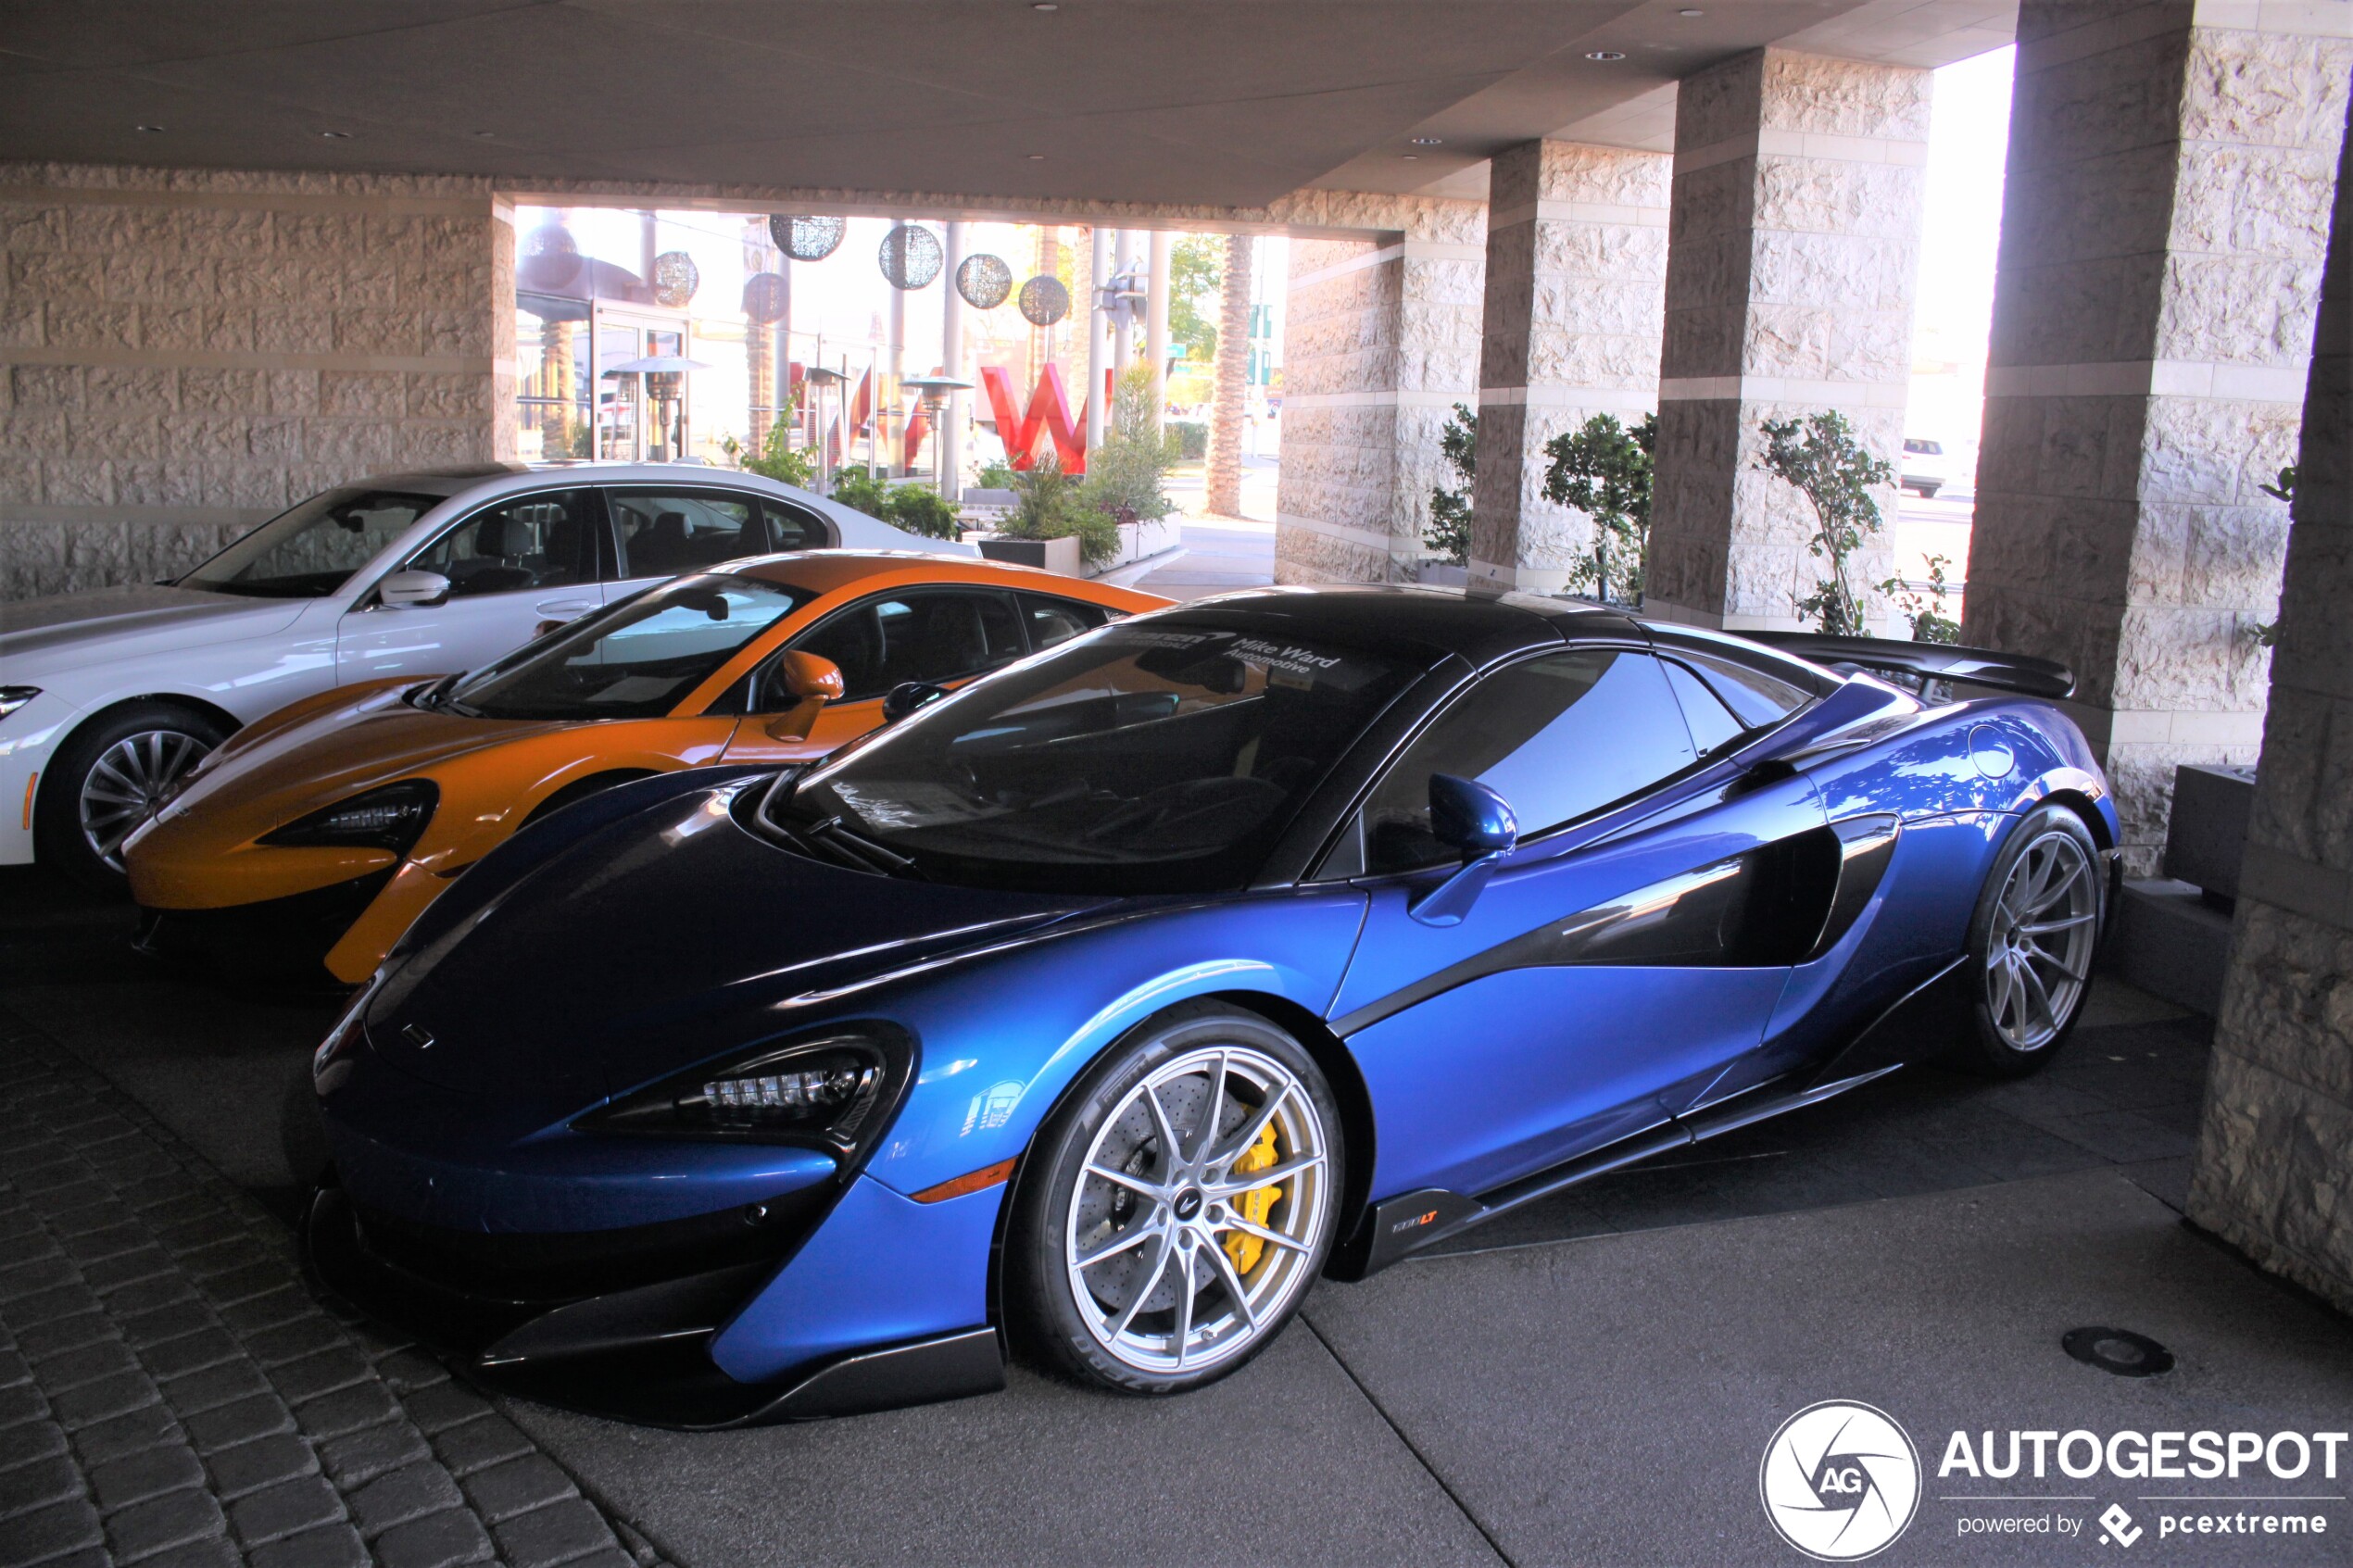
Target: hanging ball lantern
{"x":909,"y":257}
{"x":764,"y":298}
{"x":807,"y":239}
{"x":675,"y":278}
{"x":1044,"y":301}
{"x":984,"y":281}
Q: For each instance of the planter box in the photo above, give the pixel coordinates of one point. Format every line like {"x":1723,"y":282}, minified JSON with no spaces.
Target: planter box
{"x":1053,"y":555}
{"x":2206,"y":838}
{"x":1137,"y":540}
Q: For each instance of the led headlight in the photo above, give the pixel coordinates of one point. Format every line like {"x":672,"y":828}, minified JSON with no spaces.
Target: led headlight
{"x":835,"y":1088}
{"x":392,"y":817}
{"x":14,"y":697}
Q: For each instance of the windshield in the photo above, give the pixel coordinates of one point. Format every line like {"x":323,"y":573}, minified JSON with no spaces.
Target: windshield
{"x":309,"y":552}
{"x":1144,"y":758}
{"x":635,"y":660}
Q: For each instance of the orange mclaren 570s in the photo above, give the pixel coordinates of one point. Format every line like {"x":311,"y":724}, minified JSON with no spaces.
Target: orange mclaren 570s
{"x":306,"y":844}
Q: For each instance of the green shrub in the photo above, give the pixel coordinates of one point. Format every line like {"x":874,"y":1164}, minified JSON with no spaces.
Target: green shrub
{"x":1603,"y":470}
{"x":1049,"y":504}
{"x":1450,"y":510}
{"x":776,"y":459}
{"x":916,"y":508}
{"x":997,"y":475}
{"x":1124,"y":473}
{"x":1820,"y":457}
{"x":1187,"y":440}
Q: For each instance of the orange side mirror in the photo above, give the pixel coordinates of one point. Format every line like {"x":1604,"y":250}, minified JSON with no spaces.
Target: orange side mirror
{"x":816,"y":681}
{"x":810,"y":675}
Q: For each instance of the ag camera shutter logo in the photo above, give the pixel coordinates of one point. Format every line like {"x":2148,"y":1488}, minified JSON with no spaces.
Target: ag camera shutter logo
{"x":1840,"y":1480}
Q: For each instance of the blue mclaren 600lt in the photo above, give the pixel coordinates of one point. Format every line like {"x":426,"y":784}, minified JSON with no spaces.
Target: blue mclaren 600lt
{"x":1092,"y":1013}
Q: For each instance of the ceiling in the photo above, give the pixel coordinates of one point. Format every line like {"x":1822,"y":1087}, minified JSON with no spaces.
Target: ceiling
{"x":1228,"y":103}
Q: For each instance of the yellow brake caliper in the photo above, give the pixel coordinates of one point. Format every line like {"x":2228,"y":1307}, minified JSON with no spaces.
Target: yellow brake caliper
{"x":1253,"y":1206}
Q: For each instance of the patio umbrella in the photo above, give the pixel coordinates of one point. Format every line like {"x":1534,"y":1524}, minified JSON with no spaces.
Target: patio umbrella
{"x":656,"y":365}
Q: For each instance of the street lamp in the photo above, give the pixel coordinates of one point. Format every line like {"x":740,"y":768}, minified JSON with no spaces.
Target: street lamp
{"x":934,"y":390}
{"x":824,"y":377}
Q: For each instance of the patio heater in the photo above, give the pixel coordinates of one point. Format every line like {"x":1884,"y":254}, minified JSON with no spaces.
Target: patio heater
{"x":825,"y":378}
{"x":934,"y":390}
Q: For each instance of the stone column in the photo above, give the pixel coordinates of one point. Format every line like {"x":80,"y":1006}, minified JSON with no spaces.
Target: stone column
{"x":1575,"y":288}
{"x":2163,"y":226}
{"x":2275,"y":1171}
{"x":1792,"y":247}
{"x":1380,"y":341}
{"x":184,"y":353}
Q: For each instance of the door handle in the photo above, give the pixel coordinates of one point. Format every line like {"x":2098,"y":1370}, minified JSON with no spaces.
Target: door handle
{"x":565,"y":607}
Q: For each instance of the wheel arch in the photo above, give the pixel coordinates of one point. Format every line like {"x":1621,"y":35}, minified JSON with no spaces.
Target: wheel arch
{"x":229,"y":724}
{"x":1329,"y":1052}
{"x":581,"y":788}
{"x":2095,"y":820}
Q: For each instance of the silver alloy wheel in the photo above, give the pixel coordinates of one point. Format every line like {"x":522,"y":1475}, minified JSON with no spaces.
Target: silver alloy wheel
{"x":128,"y":782}
{"x":1159,"y":1203}
{"x":2038,"y":956}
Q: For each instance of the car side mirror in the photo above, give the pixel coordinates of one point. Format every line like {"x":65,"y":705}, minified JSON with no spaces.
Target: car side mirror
{"x":413,"y":589}
{"x":907,"y":697}
{"x":815,"y":681}
{"x":545,"y":627}
{"x":1471,"y":819}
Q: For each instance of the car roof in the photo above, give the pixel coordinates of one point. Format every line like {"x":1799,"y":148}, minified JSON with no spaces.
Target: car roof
{"x":822,"y":571}
{"x":1479,"y":627}
{"x":493,"y":478}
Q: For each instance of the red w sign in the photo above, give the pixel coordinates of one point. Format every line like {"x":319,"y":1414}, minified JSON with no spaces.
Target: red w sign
{"x":1048,"y":407}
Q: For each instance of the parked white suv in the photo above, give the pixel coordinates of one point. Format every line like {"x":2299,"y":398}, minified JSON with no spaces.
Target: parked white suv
{"x":108,"y":697}
{"x":1925,"y":467}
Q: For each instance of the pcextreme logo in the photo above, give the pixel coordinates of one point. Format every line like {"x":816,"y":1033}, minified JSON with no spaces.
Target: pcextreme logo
{"x":1840,"y":1480}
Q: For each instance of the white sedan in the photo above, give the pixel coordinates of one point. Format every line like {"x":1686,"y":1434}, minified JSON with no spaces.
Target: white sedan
{"x":108,"y":697}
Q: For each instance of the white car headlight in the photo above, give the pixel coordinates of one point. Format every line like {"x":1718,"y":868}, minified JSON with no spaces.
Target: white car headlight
{"x":14,"y":697}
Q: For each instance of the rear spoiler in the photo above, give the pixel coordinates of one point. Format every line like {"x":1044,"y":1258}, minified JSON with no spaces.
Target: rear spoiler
{"x":1929,"y":661}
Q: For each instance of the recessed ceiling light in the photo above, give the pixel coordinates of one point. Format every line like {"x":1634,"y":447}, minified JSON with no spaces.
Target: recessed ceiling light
{"x":1605,"y":55}
{"x":1411,"y":158}
{"x":1044,"y":6}
{"x":336,"y":135}
{"x":1037,"y":157}
{"x":1690,"y":11}
{"x":152,"y":129}
{"x":484,"y":136}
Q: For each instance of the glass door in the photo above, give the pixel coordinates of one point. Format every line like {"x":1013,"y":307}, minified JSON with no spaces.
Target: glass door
{"x":642,"y":411}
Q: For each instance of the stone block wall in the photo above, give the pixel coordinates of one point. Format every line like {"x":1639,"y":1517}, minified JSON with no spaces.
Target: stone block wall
{"x":1574,"y":292}
{"x":2165,"y":219}
{"x":185,"y":353}
{"x":1793,"y":249}
{"x":1380,"y":342}
{"x":2275,"y":1171}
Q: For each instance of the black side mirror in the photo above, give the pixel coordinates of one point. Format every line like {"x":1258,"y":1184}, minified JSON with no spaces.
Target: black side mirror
{"x":907,"y":697}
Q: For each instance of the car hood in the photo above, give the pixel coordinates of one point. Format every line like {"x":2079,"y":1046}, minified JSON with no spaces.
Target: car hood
{"x":656,"y":942}
{"x":108,"y":623}
{"x":371,"y":738}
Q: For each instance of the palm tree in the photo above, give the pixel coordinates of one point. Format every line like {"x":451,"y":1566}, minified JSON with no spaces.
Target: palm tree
{"x":1233,"y":368}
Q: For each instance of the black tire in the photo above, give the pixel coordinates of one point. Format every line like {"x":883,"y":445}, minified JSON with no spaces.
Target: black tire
{"x":60,"y":839}
{"x":2014,"y":1030}
{"x":1044,"y":1317}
